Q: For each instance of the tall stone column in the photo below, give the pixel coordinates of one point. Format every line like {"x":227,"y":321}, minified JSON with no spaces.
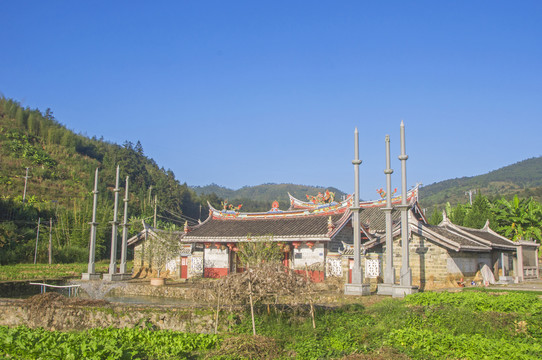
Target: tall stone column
{"x":91,"y":275}
{"x":405,"y":286}
{"x":389,"y":271}
{"x":356,"y":287}
{"x":124,"y":250}
{"x":115,"y":223}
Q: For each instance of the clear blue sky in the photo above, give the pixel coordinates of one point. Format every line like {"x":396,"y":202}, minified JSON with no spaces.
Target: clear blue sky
{"x":250,"y":92}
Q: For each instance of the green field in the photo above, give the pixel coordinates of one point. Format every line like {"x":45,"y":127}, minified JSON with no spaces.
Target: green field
{"x":464,"y":325}
{"x":46,"y":271}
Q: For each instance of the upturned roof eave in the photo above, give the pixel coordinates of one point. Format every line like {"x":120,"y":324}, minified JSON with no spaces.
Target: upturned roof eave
{"x":287,"y":238}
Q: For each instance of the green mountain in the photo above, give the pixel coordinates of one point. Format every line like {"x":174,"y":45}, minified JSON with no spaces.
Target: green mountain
{"x":523,"y":178}
{"x":260,"y":197}
{"x":61,"y":166}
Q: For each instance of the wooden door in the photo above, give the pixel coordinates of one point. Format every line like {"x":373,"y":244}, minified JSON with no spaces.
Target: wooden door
{"x":184,"y":267}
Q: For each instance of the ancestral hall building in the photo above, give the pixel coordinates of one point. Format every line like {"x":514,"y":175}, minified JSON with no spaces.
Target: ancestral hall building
{"x":318,"y":237}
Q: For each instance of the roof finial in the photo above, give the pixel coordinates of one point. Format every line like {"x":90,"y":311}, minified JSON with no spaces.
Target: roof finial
{"x":330,"y":225}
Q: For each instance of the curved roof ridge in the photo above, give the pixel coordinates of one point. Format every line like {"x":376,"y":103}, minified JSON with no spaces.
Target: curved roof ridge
{"x":412,"y":198}
{"x":296,"y":203}
{"x":339,"y":224}
{"x":486,"y":229}
{"x":234,"y":215}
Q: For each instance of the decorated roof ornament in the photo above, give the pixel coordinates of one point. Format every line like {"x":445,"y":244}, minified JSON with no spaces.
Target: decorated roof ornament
{"x":383,"y":193}
{"x":411,"y":197}
{"x":229,"y":207}
{"x":275,"y":207}
{"x":330,"y":225}
{"x":320,"y":199}
{"x":186,"y":228}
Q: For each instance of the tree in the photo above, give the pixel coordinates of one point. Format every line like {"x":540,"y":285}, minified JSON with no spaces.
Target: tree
{"x":436,"y":217}
{"x":162,"y":248}
{"x":260,"y":250}
{"x":479,"y":213}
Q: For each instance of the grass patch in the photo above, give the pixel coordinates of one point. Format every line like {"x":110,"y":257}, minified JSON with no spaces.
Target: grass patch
{"x":46,"y":271}
{"x":485,"y":290}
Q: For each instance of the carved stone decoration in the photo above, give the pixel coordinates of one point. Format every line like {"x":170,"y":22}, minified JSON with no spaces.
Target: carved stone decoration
{"x":171,"y":265}
{"x":197,"y":264}
{"x":334,"y":267}
{"x":372,"y":268}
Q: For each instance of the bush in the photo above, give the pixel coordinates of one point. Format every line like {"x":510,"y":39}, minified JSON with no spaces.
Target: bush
{"x":71,"y":254}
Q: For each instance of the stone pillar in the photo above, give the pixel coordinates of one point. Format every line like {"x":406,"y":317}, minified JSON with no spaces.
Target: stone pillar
{"x":389,"y":270}
{"x":113,"y":262}
{"x":356,"y":287}
{"x":91,"y":275}
{"x":405,"y":286}
{"x":124,"y":250}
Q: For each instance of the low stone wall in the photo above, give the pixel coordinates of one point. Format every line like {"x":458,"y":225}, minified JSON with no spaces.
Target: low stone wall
{"x":71,"y":316}
{"x":136,"y":289}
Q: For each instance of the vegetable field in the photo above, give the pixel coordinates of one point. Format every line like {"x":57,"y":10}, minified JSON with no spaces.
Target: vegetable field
{"x":463,"y":325}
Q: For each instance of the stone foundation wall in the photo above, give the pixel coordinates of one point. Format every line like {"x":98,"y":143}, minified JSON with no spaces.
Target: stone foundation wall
{"x":15,"y":312}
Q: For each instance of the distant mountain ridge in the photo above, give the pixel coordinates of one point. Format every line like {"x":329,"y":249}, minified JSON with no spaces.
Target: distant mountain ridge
{"x":265,"y":193}
{"x":523,"y":178}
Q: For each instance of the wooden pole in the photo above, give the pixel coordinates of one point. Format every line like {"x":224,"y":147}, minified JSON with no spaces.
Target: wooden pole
{"x":217,"y":310}
{"x":310,"y":298}
{"x":251,"y":302}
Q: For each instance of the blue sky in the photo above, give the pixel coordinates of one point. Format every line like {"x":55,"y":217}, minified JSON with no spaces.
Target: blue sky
{"x":250,"y":92}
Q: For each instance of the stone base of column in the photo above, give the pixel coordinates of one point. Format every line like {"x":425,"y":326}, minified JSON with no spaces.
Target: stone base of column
{"x":125,"y":276}
{"x":357,"y":289}
{"x":385,"y":289}
{"x":399,"y":291}
{"x":88,"y":276}
{"x":112,"y":277}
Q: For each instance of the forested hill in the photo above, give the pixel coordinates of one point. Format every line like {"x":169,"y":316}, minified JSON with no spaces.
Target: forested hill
{"x":523,"y":178}
{"x":260,"y":197}
{"x":61,"y":175}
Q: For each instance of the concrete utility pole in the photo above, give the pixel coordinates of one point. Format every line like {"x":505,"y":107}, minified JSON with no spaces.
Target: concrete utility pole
{"x":356,"y":287}
{"x":25,"y":181}
{"x":50,"y":241}
{"x":389,"y":271}
{"x":113,"y":262}
{"x":470,"y":193}
{"x":91,"y":275}
{"x":405,"y":287}
{"x":155,"y":206}
{"x":37,"y":238}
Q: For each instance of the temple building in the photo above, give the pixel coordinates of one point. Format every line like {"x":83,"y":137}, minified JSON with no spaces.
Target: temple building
{"x":317,"y":237}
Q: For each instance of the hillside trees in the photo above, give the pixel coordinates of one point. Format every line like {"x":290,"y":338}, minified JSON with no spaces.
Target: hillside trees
{"x":62,"y":166}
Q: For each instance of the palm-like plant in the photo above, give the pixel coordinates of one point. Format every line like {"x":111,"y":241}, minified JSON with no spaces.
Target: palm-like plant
{"x":518,"y":219}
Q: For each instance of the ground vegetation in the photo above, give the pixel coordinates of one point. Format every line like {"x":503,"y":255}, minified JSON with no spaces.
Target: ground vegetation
{"x":461,"y":325}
